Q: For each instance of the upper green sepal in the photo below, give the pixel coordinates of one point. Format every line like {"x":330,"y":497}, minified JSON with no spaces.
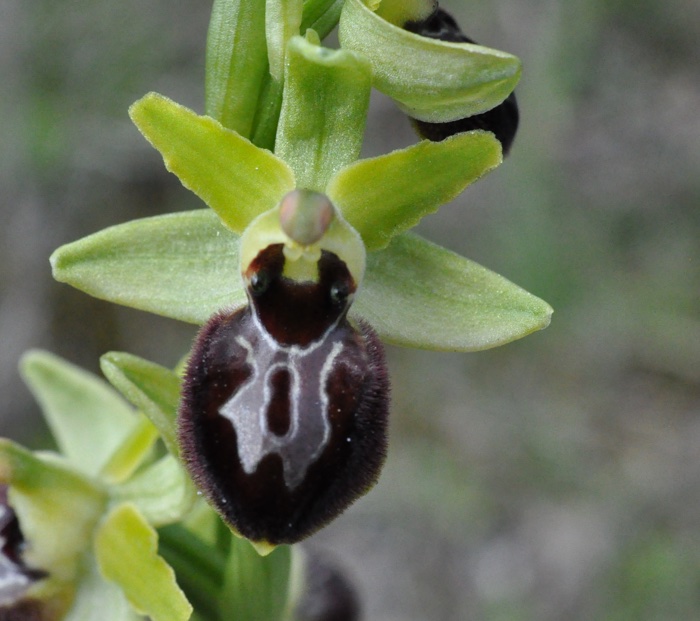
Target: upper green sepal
{"x":228,"y":172}
{"x":430,"y":80}
{"x":324,"y":110}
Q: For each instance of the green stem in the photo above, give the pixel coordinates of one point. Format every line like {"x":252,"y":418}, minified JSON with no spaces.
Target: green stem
{"x":268,"y":114}
{"x":255,"y":587}
{"x":199,"y":568}
{"x":321,"y":15}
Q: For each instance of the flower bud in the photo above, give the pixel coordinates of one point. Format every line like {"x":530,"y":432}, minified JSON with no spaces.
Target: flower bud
{"x":501,"y":120}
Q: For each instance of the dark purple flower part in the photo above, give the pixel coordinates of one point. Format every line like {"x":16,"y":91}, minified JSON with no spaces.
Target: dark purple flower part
{"x":328,"y":595}
{"x":15,"y":576}
{"x":283,"y":419}
{"x":501,"y":120}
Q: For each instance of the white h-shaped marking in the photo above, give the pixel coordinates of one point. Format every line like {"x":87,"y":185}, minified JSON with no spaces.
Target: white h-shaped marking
{"x":309,"y":424}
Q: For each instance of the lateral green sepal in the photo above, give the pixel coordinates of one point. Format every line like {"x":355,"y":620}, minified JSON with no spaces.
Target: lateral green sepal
{"x":181,"y":265}
{"x":418,"y":294}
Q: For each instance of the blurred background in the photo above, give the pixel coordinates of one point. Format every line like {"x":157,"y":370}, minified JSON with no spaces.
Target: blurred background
{"x":553,"y":479}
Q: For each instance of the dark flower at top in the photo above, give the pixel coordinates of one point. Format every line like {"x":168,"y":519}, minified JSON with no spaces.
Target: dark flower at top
{"x":501,"y":120}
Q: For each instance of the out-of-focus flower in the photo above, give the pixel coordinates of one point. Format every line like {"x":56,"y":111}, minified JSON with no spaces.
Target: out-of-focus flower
{"x":77,"y":525}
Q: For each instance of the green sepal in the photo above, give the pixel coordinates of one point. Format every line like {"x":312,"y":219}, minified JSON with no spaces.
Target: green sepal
{"x":228,"y":172}
{"x":87,"y":418}
{"x":163,"y":492}
{"x":414,"y":293}
{"x":236,"y":63}
{"x":282,"y":22}
{"x":418,"y":294}
{"x":152,"y":388}
{"x":248,"y":572}
{"x":132,"y":452}
{"x":56,"y":506}
{"x":181,"y":265}
{"x":96,"y":598}
{"x":430,"y":80}
{"x":126,"y":548}
{"x":387,"y":195}
{"x":324,"y":109}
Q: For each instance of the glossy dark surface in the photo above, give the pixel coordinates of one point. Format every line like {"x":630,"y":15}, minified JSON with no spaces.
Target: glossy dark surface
{"x":501,"y":120}
{"x":283,"y":418}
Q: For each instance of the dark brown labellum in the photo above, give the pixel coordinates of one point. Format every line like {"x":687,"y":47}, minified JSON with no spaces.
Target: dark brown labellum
{"x":283,"y":417}
{"x":501,"y":120}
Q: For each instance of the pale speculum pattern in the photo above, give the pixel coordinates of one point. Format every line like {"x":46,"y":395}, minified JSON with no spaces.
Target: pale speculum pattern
{"x":309,"y":428}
